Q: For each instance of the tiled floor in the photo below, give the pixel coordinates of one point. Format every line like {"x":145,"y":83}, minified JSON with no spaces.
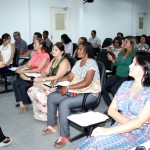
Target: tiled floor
{"x":26,"y":131}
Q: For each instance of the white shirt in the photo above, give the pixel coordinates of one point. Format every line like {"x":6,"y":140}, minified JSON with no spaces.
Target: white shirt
{"x":69,"y":48}
{"x":6,"y":52}
{"x":95,"y":41}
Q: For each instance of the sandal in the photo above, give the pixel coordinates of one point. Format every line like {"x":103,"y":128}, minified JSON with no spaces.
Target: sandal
{"x":49,"y":130}
{"x":6,"y":142}
{"x":23,"y":108}
{"x":61,"y":142}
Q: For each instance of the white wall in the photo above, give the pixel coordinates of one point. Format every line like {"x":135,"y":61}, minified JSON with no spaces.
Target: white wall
{"x":14,"y":17}
{"x":107,"y":17}
{"x":148,"y":18}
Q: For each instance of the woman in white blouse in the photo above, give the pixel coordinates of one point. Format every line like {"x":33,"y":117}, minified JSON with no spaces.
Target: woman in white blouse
{"x":67,"y":44}
{"x":7,"y":51}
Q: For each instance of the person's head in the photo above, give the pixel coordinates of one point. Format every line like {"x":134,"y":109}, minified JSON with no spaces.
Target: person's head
{"x":58,"y":49}
{"x":93,"y":33}
{"x":82,"y":39}
{"x":85,"y":49}
{"x":36,"y":36}
{"x":143,"y":39}
{"x":129,"y":43}
{"x":119,"y":34}
{"x":65,"y":39}
{"x":107,"y":42}
{"x":6,"y":38}
{"x":17,"y":36}
{"x":45,"y":34}
{"x":117,"y":42}
{"x":140,"y":67}
{"x":40,"y":45}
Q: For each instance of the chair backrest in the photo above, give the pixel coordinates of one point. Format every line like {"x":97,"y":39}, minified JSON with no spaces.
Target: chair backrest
{"x":102,"y":57}
{"x":72,"y":60}
{"x":75,"y":46}
{"x":16,"y":58}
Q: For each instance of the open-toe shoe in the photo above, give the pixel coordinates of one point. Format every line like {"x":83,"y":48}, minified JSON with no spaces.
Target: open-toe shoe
{"x":50,"y":129}
{"x":61,"y":142}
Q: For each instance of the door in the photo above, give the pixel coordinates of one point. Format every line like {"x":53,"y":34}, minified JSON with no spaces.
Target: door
{"x":141,"y":24}
{"x":60,"y":23}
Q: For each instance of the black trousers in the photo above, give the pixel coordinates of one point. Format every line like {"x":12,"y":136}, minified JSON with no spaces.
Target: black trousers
{"x":2,"y":136}
{"x":20,"y":87}
{"x":112,"y":84}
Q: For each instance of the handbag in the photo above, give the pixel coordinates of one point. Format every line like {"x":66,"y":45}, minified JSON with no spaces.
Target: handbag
{"x":94,"y":87}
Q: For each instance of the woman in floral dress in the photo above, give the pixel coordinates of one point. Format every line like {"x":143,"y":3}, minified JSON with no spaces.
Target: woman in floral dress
{"x":132,"y":126}
{"x":58,"y":67}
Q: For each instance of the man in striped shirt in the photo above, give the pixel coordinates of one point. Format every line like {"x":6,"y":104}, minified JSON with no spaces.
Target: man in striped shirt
{"x":19,"y":43}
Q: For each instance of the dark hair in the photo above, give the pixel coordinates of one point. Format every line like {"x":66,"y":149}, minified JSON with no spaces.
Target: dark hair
{"x":143,"y":59}
{"x":93,"y":31}
{"x":120,"y":34}
{"x":107,"y":42}
{"x":38,"y":34}
{"x":60,"y":46}
{"x":118,"y":39}
{"x":42,"y":41}
{"x":84,"y":39}
{"x":65,"y":38}
{"x":88,"y":48}
{"x":46,"y":32}
{"x":4,"y":37}
{"x":145,"y":37}
{"x":18,"y":33}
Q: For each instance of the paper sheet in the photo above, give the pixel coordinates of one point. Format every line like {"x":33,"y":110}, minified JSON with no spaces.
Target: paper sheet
{"x":88,"y":118}
{"x":32,"y":74}
{"x":63,"y":83}
{"x":13,"y":68}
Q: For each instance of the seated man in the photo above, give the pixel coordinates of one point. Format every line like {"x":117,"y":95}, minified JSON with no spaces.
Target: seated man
{"x":95,"y":41}
{"x":30,"y":46}
{"x":20,"y":44}
{"x":49,"y":43}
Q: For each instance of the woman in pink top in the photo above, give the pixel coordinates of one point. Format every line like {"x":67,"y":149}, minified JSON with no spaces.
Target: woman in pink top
{"x":37,"y":64}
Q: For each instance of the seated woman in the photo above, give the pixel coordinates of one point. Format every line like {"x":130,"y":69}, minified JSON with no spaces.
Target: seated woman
{"x":122,"y":67}
{"x":7,"y":51}
{"x":117,"y":46}
{"x":37,"y":64}
{"x":130,"y":109}
{"x":143,"y":43}
{"x":87,"y":70}
{"x":58,"y":67}
{"x":81,"y":40}
{"x":67,"y":44}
